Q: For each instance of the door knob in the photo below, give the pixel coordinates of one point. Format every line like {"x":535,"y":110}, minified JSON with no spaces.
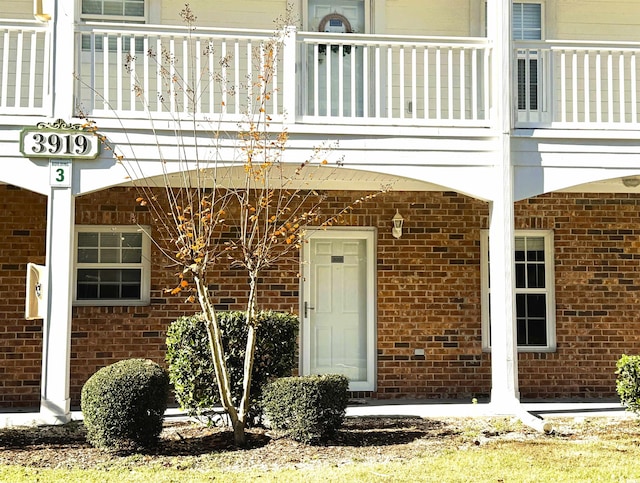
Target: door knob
{"x":307,"y":307}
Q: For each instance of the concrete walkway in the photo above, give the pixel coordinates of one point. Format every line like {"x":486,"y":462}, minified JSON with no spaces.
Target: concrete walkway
{"x":438,"y":409}
{"x":416,"y":407}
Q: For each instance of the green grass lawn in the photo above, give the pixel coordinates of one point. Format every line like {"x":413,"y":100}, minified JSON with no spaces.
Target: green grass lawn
{"x":553,"y":460}
{"x":471,"y":450}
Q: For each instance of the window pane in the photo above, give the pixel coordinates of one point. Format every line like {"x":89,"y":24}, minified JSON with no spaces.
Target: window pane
{"x":521,"y":327}
{"x":87,"y":255}
{"x":521,"y":306}
{"x":536,"y":305}
{"x":131,"y":256}
{"x":520,"y":277}
{"x":92,"y":6}
{"x":113,"y":8}
{"x":87,"y":239}
{"x":87,"y":291}
{"x":130,"y":292}
{"x":134,"y":8}
{"x":109,"y":276}
{"x":131,"y":275}
{"x":110,"y":239}
{"x":110,"y":256}
{"x":535,"y":276}
{"x":133,"y":240}
{"x":86,"y":276}
{"x":537,"y":333}
{"x":109,"y":292}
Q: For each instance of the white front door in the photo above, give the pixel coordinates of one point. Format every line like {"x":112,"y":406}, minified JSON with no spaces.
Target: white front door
{"x":338,"y":306}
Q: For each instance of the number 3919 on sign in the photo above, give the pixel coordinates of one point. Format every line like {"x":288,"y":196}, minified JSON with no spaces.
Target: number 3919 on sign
{"x":59,"y":144}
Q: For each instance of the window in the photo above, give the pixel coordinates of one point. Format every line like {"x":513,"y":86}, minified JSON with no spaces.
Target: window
{"x":527,"y":25}
{"x":534,"y":293}
{"x":125,"y":11}
{"x":113,"y":10}
{"x":112,"y":266}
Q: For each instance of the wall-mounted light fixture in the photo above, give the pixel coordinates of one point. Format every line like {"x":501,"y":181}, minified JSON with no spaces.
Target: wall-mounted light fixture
{"x":38,"y":13}
{"x":631,"y":182}
{"x":397,"y":220}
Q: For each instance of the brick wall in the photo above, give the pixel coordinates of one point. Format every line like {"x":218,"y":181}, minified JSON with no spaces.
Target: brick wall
{"x":597,"y":256}
{"x":428,"y":294}
{"x":22,"y":240}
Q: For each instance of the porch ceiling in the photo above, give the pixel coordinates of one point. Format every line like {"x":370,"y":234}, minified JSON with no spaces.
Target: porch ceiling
{"x":625,"y":184}
{"x":310,"y":177}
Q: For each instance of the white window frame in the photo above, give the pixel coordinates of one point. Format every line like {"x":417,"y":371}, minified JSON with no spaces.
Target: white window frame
{"x":144,"y":265}
{"x":549,"y":290}
{"x":93,"y":17}
{"x":126,"y":19}
{"x":540,"y":67}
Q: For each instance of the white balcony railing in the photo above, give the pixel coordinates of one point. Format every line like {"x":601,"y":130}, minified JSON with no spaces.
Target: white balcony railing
{"x":359,"y":79}
{"x":573,"y":85}
{"x":172,"y":72}
{"x":399,"y":80}
{"x":24,"y":68}
{"x":142,"y":71}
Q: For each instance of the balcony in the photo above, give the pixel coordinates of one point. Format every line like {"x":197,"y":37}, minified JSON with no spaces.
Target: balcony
{"x":316,"y":78}
{"x":24,"y":68}
{"x":160,"y":72}
{"x":577,"y":85}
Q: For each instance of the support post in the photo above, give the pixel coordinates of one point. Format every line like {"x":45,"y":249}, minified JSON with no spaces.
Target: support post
{"x":56,"y":350}
{"x":504,"y":351}
{"x":55,"y":400}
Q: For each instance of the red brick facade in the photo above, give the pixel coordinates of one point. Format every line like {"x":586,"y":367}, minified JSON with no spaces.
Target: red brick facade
{"x":428,"y":289}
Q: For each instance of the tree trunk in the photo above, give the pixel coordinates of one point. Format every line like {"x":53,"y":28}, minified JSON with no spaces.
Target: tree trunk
{"x":250,"y":349}
{"x":239,"y":436}
{"x":217,"y":355}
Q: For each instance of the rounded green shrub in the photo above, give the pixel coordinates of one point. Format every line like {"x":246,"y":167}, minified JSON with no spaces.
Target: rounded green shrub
{"x":309,"y":409}
{"x":628,"y":382}
{"x":123,"y":404}
{"x":191,"y":370}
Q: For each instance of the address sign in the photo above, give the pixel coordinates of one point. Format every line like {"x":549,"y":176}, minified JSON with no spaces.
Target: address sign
{"x":59,"y":140}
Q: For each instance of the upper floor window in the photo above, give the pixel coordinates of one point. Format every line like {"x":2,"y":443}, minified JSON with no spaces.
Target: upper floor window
{"x":527,"y":25}
{"x":527,"y":21}
{"x":126,"y":11}
{"x":112,"y":266}
{"x":534,"y":292}
{"x":116,"y":10}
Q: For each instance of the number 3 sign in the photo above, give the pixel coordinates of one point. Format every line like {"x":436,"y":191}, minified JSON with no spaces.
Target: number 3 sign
{"x":60,"y":173}
{"x":59,"y":140}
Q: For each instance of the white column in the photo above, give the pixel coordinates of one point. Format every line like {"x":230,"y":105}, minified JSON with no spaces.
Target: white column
{"x":55,"y":401}
{"x":504,"y":352}
{"x":63,"y":59}
{"x":56,"y":350}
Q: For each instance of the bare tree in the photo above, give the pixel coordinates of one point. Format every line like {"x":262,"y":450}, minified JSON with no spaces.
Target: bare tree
{"x":249,"y":213}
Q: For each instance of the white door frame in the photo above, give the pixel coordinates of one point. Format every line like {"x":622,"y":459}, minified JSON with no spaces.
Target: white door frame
{"x":369,"y":235}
